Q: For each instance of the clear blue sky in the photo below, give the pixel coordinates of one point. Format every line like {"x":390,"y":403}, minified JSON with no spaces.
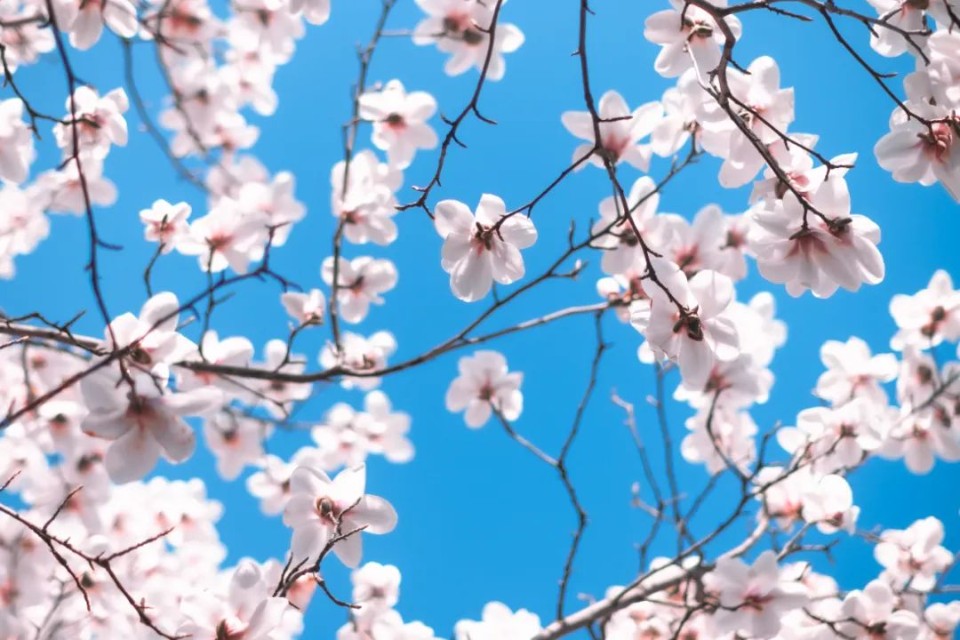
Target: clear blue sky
{"x":480,"y":519}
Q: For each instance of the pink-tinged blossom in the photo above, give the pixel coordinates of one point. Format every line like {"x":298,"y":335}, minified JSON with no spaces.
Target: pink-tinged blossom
{"x":320,"y":508}
{"x":485,"y":385}
{"x":367,"y":205}
{"x":166,"y":223}
{"x":766,"y":112}
{"x":347,"y":436}
{"x":235,"y":442}
{"x":620,"y":131}
{"x":67,"y":193}
{"x":817,"y":255}
{"x":16,"y":142}
{"x":940,"y":620}
{"x":151,"y":337}
{"x":306,"y":308}
{"x":22,"y":226}
{"x":279,"y":396}
{"x":617,"y":237}
{"x":265,"y":25}
{"x":359,"y":284}
{"x":913,"y":555}
{"x":235,"y":351}
{"x":720,"y":439}
{"x":461,"y":28}
{"x":852,"y":371}
{"x":400,"y":121}
{"x":689,"y":37}
{"x":120,"y":16}
{"x":836,"y":438}
{"x":498,"y":622}
{"x":481,"y":248}
{"x":682,"y":106}
{"x":828,"y":503}
{"x":274,"y":203}
{"x":316,"y":12}
{"x":920,"y":439}
{"x":929,"y":316}
{"x":247,"y":609}
{"x":690,"y":328}
{"x":753,"y":598}
{"x":376,"y":587}
{"x":225,"y":238}
{"x":143,"y":420}
{"x":875,"y":613}
{"x":359,"y":355}
{"x":271,"y":485}
{"x":99,"y":121}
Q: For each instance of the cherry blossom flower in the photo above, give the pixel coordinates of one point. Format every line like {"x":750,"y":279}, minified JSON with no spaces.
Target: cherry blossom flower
{"x":753,"y":598}
{"x":853,"y":372}
{"x":498,"y":622}
{"x":16,"y":142}
{"x":913,"y":555}
{"x":462,"y":29}
{"x":400,"y":121}
{"x":620,"y":131}
{"x":166,"y":223}
{"x":99,"y":120}
{"x":359,"y":284}
{"x":143,"y":420}
{"x":320,"y":509}
{"x":690,"y":327}
{"x":481,"y":248}
{"x":689,"y":37}
{"x":306,"y":308}
{"x":485,"y":385}
{"x":928,"y":317}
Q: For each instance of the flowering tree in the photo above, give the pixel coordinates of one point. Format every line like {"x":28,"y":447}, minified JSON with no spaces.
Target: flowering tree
{"x":94,"y":544}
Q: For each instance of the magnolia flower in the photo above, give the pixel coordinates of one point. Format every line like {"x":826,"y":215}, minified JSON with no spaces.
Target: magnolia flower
{"x":69,"y":194}
{"x":928,"y":317}
{"x":485,"y":385}
{"x":462,"y":29}
{"x":690,"y":327}
{"x":151,"y":338}
{"x":617,"y":235}
{"x":274,"y":203}
{"x":913,"y":555}
{"x":852,"y":371}
{"x":874,"y":612}
{"x":916,"y":152}
{"x":753,"y":598}
{"x":620,"y":131}
{"x":400,"y":121}
{"x":320,"y":509}
{"x":306,"y":308}
{"x":364,"y":199}
{"x":119,"y":15}
{"x":235,"y":351}
{"x":360,"y":355}
{"x":376,"y":587}
{"x":720,"y":438}
{"x":279,"y":396}
{"x":143,"y":419}
{"x":829,"y":504}
{"x":271,"y":485}
{"x":920,"y":439}
{"x":315,"y":12}
{"x":803,"y":251}
{"x":95,"y":122}
{"x":225,"y":238}
{"x":16,"y":142}
{"x":166,"y":223}
{"x":837,"y":438}
{"x":235,"y":442}
{"x":359,"y":283}
{"x":480,"y":249}
{"x":499,"y":623}
{"x":690,"y":37}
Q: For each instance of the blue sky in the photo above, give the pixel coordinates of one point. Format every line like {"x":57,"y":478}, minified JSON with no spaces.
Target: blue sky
{"x":480,"y":519}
